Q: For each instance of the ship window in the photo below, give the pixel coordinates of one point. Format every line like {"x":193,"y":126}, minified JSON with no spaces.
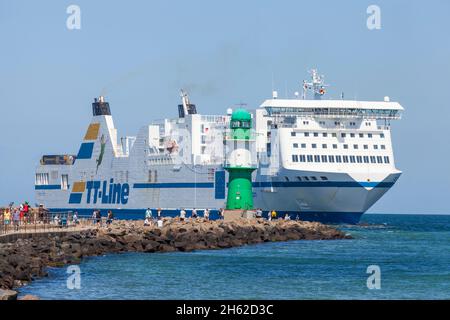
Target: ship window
{"x":299,"y":179}
{"x":64,"y":181}
{"x":343,"y":135}
{"x":338,"y":159}
{"x":203,"y":139}
{"x":366,"y":147}
{"x":324,"y":159}
{"x":334,"y":135}
{"x":306,"y":178}
{"x":375,"y":146}
{"x":352,"y":159}
{"x":303,"y":145}
{"x":334,"y":146}
{"x":314,"y":145}
{"x":345,"y":146}
{"x":294,"y":158}
{"x":42,"y":179}
{"x":361,"y":135}
{"x":314,"y":178}
{"x":292,"y":134}
{"x":372,"y":159}
{"x":310,"y":158}
{"x":149,"y":175}
{"x":324,"y":134}
{"x":379,"y":159}
{"x":316,"y":134}
{"x":155,"y":179}
{"x":381,"y":135}
{"x":286,"y":178}
{"x":355,"y":146}
{"x":386,"y":159}
{"x":345,"y":158}
{"x":306,"y":134}
{"x":316,"y":158}
{"x":324,"y":146}
{"x":366,"y":159}
{"x":352,"y":135}
{"x":322,"y":123}
{"x":324,"y":178}
{"x":369,"y":135}
{"x":383,"y":147}
{"x":359,"y":159}
{"x":203,"y":149}
{"x":302,"y":158}
{"x":54,"y":175}
{"x":331,"y":159}
{"x":295,"y":145}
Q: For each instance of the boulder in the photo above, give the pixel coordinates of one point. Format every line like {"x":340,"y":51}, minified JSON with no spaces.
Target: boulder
{"x":8,"y":295}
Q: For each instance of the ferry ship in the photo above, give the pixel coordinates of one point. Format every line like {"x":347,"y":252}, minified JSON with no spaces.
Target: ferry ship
{"x":316,"y":159}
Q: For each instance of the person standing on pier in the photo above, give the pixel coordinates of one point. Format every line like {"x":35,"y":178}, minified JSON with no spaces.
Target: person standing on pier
{"x":159,"y":213}
{"x":148,"y":214}
{"x":259,"y":213}
{"x":274,"y":214}
{"x":26,"y":212}
{"x":94,"y":216}
{"x":110,"y":217}
{"x":99,"y":217}
{"x":194,"y":214}
{"x":21,"y":214}
{"x":7,"y":217}
{"x":16,"y":219}
{"x":75,"y":218}
{"x":206,"y":214}
{"x":182,"y":215}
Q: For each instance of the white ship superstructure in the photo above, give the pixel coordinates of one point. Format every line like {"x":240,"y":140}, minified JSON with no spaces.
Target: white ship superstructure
{"x":327,"y":160}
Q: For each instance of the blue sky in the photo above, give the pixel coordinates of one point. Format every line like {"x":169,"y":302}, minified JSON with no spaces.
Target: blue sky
{"x":140,"y":53}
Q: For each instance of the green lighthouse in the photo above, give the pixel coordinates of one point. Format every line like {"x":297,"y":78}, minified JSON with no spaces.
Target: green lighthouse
{"x":240,"y":162}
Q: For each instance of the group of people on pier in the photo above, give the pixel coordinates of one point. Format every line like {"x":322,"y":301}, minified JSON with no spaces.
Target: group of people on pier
{"x":16,"y":216}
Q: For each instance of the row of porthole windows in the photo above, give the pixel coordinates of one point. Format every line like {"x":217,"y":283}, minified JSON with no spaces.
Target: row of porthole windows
{"x":340,"y":159}
{"x":345,"y":146}
{"x":337,"y":123}
{"x":334,"y":134}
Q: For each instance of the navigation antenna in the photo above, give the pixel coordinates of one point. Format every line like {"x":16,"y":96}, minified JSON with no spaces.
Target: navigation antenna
{"x":317,"y":85}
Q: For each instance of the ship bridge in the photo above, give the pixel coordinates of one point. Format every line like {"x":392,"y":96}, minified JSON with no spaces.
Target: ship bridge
{"x":376,"y":110}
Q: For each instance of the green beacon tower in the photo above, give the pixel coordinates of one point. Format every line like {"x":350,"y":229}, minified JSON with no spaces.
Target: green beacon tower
{"x":240,"y":162}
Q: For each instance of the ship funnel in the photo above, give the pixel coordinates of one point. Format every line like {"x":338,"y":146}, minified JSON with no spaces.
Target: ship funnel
{"x":185,"y":107}
{"x":100,"y":107}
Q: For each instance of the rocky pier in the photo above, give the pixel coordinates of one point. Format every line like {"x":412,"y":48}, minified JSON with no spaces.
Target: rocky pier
{"x":26,"y":259}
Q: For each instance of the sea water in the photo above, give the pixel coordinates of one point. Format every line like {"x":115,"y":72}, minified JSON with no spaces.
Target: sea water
{"x":412,"y":253}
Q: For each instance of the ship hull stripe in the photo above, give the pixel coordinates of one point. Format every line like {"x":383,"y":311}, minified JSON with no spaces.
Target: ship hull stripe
{"x":173,"y":185}
{"x":293,"y":184}
{"x":278,"y":184}
{"x":48,"y":187}
{"x":138,"y":214}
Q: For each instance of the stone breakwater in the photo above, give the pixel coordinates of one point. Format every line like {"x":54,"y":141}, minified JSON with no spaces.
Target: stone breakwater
{"x":26,"y":259}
